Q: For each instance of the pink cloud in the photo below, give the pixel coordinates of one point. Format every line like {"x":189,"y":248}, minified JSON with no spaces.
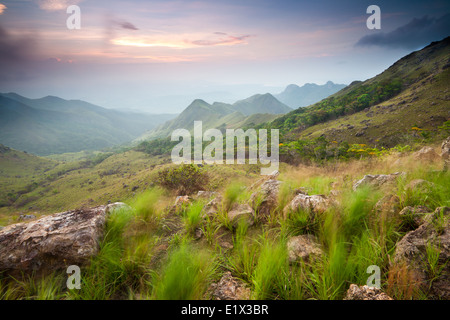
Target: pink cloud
{"x":2,"y":8}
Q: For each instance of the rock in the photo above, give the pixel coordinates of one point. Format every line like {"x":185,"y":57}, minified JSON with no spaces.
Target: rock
{"x":377,"y":180}
{"x":24,"y":217}
{"x":273,"y":175}
{"x":445,"y":153}
{"x":360,"y":133}
{"x":365,"y":292}
{"x":315,"y":203}
{"x":180,"y":200}
{"x":117,"y":206}
{"x":52,"y":242}
{"x":303,"y":247}
{"x":266,"y":198}
{"x":414,"y":215}
{"x":224,"y":239}
{"x":198,"y":233}
{"x":206,"y":194}
{"x":426,"y":153}
{"x":241,"y":212}
{"x":213,"y":206}
{"x":420,"y":185}
{"x":301,"y":190}
{"x":388,"y":204}
{"x":230,"y":288}
{"x":411,"y":251}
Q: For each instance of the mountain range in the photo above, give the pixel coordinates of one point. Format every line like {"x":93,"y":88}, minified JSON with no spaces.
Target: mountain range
{"x":297,"y":97}
{"x":251,"y":111}
{"x":52,"y":125}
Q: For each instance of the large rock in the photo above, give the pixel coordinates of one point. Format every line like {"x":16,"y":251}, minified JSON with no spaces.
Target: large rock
{"x":53,"y":242}
{"x":389,"y":204}
{"x":426,"y":154}
{"x":315,"y":203}
{"x":411,"y":251}
{"x":230,"y":288}
{"x":377,"y":180}
{"x":420,"y":185}
{"x":365,"y":293}
{"x":303,"y":248}
{"x":445,"y":153}
{"x":241,"y":213}
{"x":266,"y":198}
{"x":414,"y":216}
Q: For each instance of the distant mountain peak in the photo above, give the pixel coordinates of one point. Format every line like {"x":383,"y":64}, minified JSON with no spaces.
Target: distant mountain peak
{"x":310,"y":93}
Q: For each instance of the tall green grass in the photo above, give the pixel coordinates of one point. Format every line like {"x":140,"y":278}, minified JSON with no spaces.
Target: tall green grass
{"x":186,"y":275}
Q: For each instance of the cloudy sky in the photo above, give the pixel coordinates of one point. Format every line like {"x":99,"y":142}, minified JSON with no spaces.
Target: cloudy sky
{"x":159,"y":55}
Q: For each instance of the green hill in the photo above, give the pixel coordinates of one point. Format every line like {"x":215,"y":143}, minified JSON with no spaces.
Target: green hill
{"x":261,"y":103}
{"x":52,"y":125}
{"x":254,"y":110}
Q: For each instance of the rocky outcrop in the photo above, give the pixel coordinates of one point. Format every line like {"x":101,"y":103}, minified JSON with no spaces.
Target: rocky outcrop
{"x":266,"y":198}
{"x":241,"y":213}
{"x":414,"y":215}
{"x":53,"y":242}
{"x":365,"y":292}
{"x":303,"y":248}
{"x":426,"y":154}
{"x":377,"y":180}
{"x":230,"y":288}
{"x":414,"y":248}
{"x":315,"y":203}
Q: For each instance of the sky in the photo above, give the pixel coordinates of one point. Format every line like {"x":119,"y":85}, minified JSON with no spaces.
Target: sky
{"x":158,"y":56}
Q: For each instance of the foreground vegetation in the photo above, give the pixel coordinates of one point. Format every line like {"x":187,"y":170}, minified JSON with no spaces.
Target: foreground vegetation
{"x":154,"y":250}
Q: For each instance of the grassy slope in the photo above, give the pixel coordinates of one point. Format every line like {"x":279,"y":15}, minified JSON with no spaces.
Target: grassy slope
{"x":425,"y":104}
{"x":141,"y":258}
{"x":60,"y":186}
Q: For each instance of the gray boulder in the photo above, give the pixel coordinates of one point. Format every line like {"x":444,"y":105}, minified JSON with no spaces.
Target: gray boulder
{"x":315,"y":203}
{"x":266,"y":198}
{"x":241,"y":213}
{"x":377,"y":180}
{"x":54,"y":241}
{"x":413,"y":251}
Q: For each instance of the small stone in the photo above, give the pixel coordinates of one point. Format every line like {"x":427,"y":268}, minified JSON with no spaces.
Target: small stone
{"x":303,"y":247}
{"x":365,"y":293}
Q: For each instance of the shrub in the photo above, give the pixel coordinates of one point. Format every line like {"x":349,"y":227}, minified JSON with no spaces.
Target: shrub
{"x":184,"y":179}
